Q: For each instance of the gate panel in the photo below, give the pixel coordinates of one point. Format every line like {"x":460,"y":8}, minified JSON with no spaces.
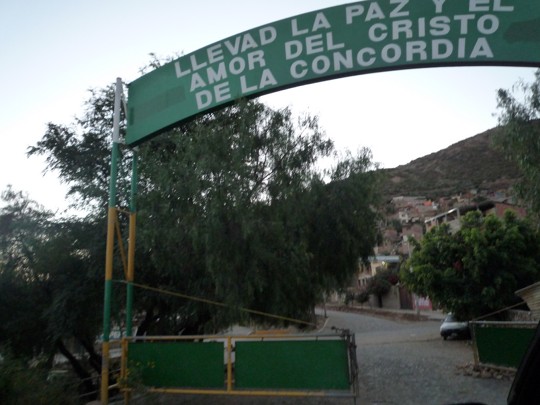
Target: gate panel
{"x":502,"y":343}
{"x":178,"y":364}
{"x":309,"y":365}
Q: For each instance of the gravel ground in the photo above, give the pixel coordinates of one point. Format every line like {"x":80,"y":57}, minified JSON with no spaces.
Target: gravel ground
{"x":425,"y":373}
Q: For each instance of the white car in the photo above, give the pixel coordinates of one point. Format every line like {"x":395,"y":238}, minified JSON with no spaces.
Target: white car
{"x":451,"y":327}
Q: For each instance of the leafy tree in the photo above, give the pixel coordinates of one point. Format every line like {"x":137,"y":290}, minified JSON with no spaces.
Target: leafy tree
{"x":22,"y":228}
{"x":518,"y":136}
{"x":231,"y":208}
{"x":48,"y":292}
{"x":248,"y":221}
{"x":476,"y":270}
{"x":380,"y":284}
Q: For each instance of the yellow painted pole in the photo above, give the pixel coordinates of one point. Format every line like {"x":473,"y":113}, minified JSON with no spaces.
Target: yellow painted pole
{"x":229,"y":364}
{"x":107,"y":307}
{"x":124,"y":372}
{"x":130,"y":276}
{"x":276,"y":393}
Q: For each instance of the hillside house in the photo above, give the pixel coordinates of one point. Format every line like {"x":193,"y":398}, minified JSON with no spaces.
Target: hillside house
{"x":453,"y":216}
{"x":413,"y":209}
{"x":501,"y":207}
{"x":409,"y":231}
{"x":376,"y":264}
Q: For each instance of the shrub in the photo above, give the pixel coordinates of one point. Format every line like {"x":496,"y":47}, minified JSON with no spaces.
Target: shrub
{"x":24,"y":385}
{"x":362,"y":297}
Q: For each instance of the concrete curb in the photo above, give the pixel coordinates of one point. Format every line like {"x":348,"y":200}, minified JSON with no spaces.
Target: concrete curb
{"x":405,"y":315}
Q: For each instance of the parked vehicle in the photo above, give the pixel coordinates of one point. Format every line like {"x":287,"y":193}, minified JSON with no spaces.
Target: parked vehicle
{"x":452,"y":327}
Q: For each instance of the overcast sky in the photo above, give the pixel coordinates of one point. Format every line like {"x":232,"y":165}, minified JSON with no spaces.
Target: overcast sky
{"x":53,"y":51}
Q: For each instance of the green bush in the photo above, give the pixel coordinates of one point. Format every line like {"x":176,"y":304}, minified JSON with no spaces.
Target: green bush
{"x":363,"y":297}
{"x":378,"y":286}
{"x":24,"y":385}
{"x":349,"y":297}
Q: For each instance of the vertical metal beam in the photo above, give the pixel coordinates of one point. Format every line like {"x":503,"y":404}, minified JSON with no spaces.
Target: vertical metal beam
{"x":130,"y":275}
{"x":111,"y":213}
{"x":229,"y":365}
{"x":131,"y":247}
{"x":124,"y":374}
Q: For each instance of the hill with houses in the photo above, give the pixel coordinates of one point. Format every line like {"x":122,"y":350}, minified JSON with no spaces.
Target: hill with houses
{"x":467,"y":174}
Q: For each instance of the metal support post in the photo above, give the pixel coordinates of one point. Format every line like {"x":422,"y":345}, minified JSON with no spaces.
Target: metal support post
{"x":112,"y":217}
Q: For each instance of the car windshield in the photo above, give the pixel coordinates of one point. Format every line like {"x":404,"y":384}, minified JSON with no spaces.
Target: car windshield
{"x":450,"y":318}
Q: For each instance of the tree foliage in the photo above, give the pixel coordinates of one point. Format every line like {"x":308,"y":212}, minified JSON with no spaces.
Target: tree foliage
{"x":232,"y":208}
{"x":243,"y":216}
{"x":24,"y":384}
{"x":518,"y":136}
{"x":477,"y":270}
{"x":79,"y":153}
{"x":48,"y":286}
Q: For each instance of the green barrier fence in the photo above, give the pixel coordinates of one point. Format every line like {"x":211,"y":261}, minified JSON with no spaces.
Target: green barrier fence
{"x":265,"y":365}
{"x":502,"y":344}
{"x":312,"y":365}
{"x":177,"y":364}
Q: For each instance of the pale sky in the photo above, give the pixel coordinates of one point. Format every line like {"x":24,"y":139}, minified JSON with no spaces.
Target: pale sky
{"x":54,"y":51}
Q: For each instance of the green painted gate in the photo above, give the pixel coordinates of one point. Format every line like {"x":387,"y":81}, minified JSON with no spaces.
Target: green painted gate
{"x":280,"y":365}
{"x":502,"y":344}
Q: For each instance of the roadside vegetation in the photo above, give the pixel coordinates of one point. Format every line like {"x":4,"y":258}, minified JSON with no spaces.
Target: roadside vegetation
{"x":475,"y":271}
{"x":233,"y":208}
{"x":24,"y":383}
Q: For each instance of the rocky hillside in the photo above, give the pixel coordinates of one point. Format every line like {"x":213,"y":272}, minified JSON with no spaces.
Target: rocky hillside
{"x":470,"y":164}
